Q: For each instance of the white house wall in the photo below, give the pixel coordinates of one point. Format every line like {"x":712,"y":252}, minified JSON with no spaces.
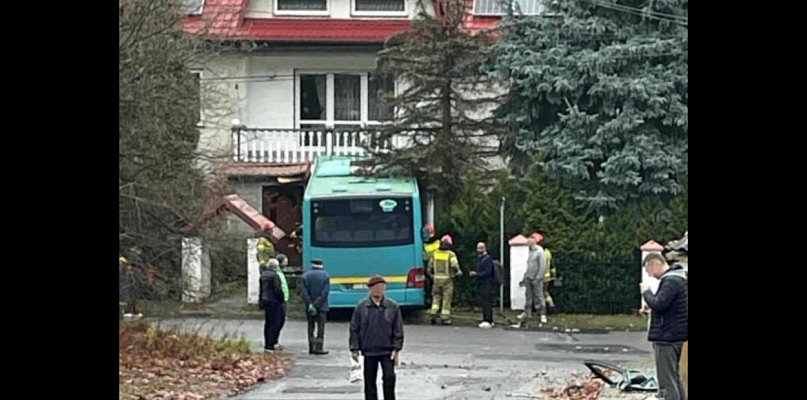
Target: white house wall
{"x":223,"y":99}
{"x":270,"y":102}
{"x":338,"y":9}
{"x":259,"y":90}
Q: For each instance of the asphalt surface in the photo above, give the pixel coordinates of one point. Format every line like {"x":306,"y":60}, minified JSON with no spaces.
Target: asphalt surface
{"x":437,"y":362}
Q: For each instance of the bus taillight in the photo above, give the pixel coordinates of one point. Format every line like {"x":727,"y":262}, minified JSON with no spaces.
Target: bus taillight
{"x":416,"y":278}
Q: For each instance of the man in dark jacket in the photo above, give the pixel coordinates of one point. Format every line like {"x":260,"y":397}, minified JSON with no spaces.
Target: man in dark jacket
{"x":668,"y":322}
{"x":315,"y":290}
{"x":484,"y":283}
{"x":376,"y":329}
{"x":271,"y":301}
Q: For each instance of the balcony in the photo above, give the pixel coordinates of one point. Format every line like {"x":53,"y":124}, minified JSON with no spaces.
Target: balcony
{"x":290,"y":146}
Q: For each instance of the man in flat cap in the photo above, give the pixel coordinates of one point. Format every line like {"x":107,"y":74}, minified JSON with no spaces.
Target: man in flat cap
{"x":315,"y":290}
{"x":376,"y":330}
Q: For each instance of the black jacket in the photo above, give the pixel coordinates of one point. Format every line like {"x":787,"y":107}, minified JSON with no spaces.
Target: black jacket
{"x":271,"y":290}
{"x":376,"y":330}
{"x":669,"y":317}
{"x":484,"y":268}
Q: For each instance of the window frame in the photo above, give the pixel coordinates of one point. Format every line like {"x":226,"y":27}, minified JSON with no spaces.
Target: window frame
{"x":330,"y":98}
{"x":358,"y":13}
{"x":503,"y":12}
{"x":309,"y":13}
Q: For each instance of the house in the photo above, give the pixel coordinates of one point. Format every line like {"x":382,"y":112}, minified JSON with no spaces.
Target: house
{"x":308,"y":87}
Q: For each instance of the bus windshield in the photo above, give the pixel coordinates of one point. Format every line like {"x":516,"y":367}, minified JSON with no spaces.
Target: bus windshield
{"x":364,"y":222}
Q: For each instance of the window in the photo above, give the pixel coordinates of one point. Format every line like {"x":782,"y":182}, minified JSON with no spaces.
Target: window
{"x":193,"y":7}
{"x":347,"y":101}
{"x":366,"y":222}
{"x":379,"y":7}
{"x":301,"y":7}
{"x":341,"y":100}
{"x":197,"y":91}
{"x":378,"y":86}
{"x":495,"y":7}
{"x":312,"y":97}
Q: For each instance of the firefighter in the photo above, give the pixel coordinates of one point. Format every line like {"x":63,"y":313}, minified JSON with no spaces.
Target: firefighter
{"x":297,"y":237}
{"x":430,"y":245}
{"x":266,"y":251}
{"x":444,"y":267}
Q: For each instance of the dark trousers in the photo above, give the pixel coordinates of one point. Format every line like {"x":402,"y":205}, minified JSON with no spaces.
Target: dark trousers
{"x":485,"y":290}
{"x":282,"y":320}
{"x":371,"y":372}
{"x":271,"y":325}
{"x":427,"y":289}
{"x":319,"y":321}
{"x":668,"y":356}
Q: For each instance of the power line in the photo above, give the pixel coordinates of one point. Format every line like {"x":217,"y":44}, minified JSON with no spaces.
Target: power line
{"x":638,"y":12}
{"x":642,"y":10}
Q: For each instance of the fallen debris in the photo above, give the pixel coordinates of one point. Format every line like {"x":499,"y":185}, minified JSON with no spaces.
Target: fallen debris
{"x":586,"y":390}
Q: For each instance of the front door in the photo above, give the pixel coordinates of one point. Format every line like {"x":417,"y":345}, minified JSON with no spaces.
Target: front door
{"x":282,"y":204}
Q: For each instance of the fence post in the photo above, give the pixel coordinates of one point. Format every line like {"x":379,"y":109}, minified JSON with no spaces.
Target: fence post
{"x":329,"y":137}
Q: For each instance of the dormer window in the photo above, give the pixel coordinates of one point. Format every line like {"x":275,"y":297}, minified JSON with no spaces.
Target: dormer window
{"x":385,"y":8}
{"x":496,"y":7}
{"x":301,"y":7}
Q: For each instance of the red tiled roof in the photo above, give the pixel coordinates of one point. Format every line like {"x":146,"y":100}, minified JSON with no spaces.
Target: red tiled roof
{"x":475,"y":23}
{"x":219,"y":18}
{"x":226,"y":19}
{"x":264,"y":169}
{"x":236,"y":205}
{"x":343,"y":30}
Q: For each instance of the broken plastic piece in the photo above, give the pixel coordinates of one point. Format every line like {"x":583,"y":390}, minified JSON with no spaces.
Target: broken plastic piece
{"x":625,"y":380}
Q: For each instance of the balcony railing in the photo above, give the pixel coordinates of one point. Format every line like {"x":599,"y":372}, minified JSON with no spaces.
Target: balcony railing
{"x":283,"y":146}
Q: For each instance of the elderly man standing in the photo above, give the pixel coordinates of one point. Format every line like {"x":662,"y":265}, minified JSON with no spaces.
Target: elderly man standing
{"x":668,"y":322}
{"x":533,"y":280}
{"x":271,"y":301}
{"x":376,"y":330}
{"x":315,"y":291}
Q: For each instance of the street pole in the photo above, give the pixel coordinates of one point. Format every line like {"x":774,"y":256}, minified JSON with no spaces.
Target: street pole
{"x":501,"y":254}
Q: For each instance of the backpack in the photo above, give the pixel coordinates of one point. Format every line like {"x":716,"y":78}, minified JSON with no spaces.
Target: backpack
{"x":498,"y":277}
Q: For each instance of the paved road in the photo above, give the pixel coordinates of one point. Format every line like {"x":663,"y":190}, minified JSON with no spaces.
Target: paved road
{"x":437,"y":362}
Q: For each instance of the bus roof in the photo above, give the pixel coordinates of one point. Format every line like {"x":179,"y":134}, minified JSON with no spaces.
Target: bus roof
{"x":333,"y":177}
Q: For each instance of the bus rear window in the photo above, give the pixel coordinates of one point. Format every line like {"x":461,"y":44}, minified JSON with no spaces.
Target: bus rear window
{"x":362,"y":222}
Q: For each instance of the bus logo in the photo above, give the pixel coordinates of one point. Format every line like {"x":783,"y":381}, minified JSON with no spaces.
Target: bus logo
{"x":388,"y":205}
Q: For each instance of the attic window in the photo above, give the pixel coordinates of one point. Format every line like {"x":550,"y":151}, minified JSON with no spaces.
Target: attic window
{"x":379,"y":7}
{"x":193,"y":7}
{"x":301,"y":7}
{"x":495,"y":7}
